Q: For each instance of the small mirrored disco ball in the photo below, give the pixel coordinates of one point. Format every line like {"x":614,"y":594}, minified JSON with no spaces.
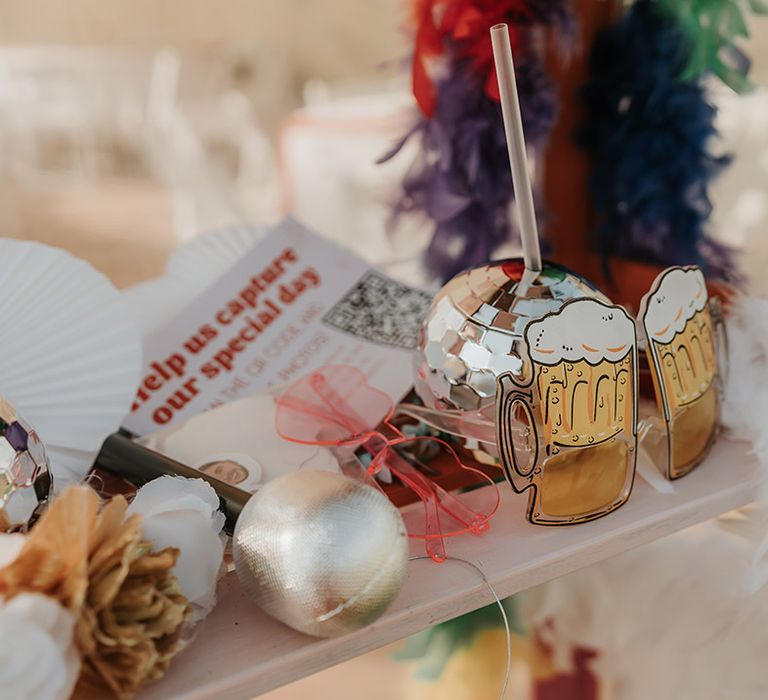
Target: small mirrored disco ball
{"x":25,"y":477}
{"x":473,"y":331}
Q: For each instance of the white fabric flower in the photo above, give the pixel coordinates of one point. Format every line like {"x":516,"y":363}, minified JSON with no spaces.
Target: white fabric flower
{"x":38,"y":658}
{"x":184,"y":513}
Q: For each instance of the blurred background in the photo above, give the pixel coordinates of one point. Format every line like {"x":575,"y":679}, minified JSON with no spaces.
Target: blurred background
{"x":127,"y":128}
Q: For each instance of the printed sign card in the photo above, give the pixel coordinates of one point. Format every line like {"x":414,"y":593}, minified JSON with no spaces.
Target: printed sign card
{"x":294,"y":303}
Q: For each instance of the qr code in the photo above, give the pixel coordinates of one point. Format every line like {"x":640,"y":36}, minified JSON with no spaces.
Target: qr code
{"x":381,"y":310}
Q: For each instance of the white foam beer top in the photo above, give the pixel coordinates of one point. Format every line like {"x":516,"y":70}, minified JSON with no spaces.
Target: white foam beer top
{"x":584,"y":329}
{"x":680,"y":295}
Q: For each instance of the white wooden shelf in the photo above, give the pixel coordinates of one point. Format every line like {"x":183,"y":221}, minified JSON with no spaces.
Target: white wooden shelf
{"x":240,"y":652}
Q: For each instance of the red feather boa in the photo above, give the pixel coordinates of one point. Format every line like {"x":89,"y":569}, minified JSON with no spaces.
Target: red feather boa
{"x":463,"y":27}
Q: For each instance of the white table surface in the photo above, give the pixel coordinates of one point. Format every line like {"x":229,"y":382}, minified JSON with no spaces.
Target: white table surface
{"x":240,"y":652}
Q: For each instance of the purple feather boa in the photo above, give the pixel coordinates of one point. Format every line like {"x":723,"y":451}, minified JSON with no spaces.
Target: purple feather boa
{"x":461,"y":180}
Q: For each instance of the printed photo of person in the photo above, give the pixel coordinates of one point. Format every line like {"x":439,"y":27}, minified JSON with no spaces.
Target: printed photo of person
{"x":233,"y":468}
{"x":237,"y":443}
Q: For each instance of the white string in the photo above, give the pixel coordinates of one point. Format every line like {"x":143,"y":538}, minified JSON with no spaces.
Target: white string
{"x":507,"y":632}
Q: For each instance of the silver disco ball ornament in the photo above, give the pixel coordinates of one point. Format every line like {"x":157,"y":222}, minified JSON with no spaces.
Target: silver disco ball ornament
{"x":321,"y":552}
{"x":25,"y":478}
{"x":473,"y":332}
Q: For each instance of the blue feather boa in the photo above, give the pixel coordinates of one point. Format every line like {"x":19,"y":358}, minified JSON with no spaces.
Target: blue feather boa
{"x":648,"y":133}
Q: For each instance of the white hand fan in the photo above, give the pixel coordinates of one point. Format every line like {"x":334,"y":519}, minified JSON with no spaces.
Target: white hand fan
{"x":191,"y":268}
{"x":70,"y":354}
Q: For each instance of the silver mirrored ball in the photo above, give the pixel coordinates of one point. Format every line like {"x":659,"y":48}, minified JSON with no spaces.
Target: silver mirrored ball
{"x":25,"y":477}
{"x":472,"y":333}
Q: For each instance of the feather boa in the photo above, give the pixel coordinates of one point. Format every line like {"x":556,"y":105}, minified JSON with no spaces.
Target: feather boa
{"x":457,"y":30}
{"x":711,"y":28}
{"x":648,"y":134}
{"x":745,"y":411}
{"x":460,"y":178}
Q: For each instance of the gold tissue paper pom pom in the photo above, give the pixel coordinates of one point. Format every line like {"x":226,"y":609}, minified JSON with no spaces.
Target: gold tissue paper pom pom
{"x":129,"y":626}
{"x":54,"y":558}
{"x":129,"y":605}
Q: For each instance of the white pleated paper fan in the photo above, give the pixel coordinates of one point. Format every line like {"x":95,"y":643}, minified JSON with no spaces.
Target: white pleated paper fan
{"x":191,"y":268}
{"x":70,"y":354}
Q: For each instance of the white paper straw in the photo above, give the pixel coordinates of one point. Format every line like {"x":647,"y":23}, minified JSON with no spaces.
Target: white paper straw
{"x":513,"y":127}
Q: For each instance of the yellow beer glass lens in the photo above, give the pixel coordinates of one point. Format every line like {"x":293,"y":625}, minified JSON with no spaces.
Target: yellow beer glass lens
{"x":688,"y":367}
{"x":584,"y":480}
{"x":692,"y":430}
{"x":587,"y":412}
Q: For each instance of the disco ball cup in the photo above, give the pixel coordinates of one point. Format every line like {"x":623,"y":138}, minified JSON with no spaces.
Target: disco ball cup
{"x":473,"y":332}
{"x":25,"y":477}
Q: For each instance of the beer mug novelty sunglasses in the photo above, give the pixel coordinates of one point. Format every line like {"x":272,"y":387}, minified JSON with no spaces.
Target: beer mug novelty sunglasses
{"x":568,"y":430}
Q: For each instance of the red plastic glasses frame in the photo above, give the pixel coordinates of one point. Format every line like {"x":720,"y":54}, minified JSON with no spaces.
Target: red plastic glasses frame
{"x":335,"y":406}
